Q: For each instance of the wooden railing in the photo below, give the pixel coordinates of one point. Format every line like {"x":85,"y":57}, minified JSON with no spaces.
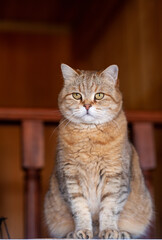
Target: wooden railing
{"x":32,"y":124}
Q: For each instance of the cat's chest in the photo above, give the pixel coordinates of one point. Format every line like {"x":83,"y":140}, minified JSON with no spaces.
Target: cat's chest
{"x":92,"y":184}
{"x":88,"y":146}
{"x":79,"y":137}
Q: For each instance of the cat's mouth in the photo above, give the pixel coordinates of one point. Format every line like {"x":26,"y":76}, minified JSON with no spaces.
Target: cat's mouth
{"x":85,"y":116}
{"x":88,"y":114}
{"x":88,"y":117}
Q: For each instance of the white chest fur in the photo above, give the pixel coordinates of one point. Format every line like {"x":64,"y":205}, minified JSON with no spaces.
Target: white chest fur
{"x":91,"y":186}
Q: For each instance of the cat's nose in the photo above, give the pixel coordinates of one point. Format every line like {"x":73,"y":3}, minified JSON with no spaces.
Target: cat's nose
{"x":87,"y":106}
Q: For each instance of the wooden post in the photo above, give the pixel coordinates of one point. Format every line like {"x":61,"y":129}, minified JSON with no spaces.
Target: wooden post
{"x":33,"y":162}
{"x":144,"y":143}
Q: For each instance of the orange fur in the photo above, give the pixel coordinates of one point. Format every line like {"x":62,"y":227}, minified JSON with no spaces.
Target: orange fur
{"x":97,"y":187}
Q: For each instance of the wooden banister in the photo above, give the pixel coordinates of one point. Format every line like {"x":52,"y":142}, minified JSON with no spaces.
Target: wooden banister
{"x":54,"y":115}
{"x":144,"y":116}
{"x":19,"y":114}
{"x":32,"y":121}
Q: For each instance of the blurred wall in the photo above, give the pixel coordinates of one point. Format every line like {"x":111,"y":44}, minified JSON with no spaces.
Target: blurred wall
{"x":30,"y":67}
{"x":133,"y":40}
{"x":30,"y":77}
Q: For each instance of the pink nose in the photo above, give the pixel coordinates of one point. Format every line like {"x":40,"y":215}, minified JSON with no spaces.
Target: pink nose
{"x":87,"y":106}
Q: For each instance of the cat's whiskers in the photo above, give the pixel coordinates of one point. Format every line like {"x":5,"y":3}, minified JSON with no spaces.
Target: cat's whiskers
{"x":74,"y":114}
{"x":59,"y":126}
{"x":66,"y":124}
{"x":56,"y":129}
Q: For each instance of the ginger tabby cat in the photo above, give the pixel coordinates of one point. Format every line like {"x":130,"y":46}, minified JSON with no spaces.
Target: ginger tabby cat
{"x":97,"y":188}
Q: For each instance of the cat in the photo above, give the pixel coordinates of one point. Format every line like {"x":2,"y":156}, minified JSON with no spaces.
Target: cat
{"x":97,"y":188}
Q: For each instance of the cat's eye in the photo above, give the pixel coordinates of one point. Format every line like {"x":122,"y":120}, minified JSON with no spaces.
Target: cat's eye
{"x":77,"y":96}
{"x":99,"y":96}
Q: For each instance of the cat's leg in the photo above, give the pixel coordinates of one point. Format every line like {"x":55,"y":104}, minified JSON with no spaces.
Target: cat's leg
{"x":133,"y":220}
{"x":56,"y":212}
{"x":138,"y":210}
{"x":137,"y":214}
{"x":113,"y":198}
{"x":79,"y":208}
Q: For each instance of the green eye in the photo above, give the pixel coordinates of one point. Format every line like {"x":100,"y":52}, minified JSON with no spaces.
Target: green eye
{"x":77,"y":96}
{"x":99,"y":96}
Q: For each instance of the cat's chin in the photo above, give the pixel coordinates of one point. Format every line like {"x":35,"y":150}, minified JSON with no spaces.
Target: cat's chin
{"x":87,"y":119}
{"x":90,"y":120}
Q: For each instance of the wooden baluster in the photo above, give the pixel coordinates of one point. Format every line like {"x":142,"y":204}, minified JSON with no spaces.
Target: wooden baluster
{"x":144,"y":142}
{"x":33,"y":162}
{"x":143,"y":136}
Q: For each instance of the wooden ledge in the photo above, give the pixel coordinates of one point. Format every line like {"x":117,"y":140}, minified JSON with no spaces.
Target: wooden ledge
{"x":43,"y":114}
{"x":144,"y":116}
{"x":47,"y":115}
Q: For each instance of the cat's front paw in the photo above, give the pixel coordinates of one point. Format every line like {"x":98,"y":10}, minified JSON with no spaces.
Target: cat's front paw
{"x":109,"y":234}
{"x":80,"y":234}
{"x":124,"y":235}
{"x":114,"y":234}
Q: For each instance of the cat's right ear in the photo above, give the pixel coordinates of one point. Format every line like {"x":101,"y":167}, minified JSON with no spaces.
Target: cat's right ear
{"x":68,"y":73}
{"x":111,"y":73}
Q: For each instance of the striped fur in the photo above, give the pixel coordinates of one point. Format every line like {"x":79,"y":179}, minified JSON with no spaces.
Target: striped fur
{"x":97,"y":188}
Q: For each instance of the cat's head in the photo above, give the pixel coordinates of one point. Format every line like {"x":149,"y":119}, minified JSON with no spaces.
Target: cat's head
{"x":90,"y":97}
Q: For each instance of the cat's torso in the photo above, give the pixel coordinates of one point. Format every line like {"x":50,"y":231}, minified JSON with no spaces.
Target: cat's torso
{"x":92,"y":154}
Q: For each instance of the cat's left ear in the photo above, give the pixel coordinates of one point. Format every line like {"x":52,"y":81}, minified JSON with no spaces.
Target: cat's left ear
{"x":111,"y":72}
